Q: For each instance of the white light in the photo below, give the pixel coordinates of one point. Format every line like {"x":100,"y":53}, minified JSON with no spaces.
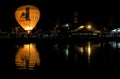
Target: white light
{"x":66,"y":25}
{"x":118,"y":45}
{"x":114,"y":30}
{"x":118,"y":30}
{"x":66,"y":52}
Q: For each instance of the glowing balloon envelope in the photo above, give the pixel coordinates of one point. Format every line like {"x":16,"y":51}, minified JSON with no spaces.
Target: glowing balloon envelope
{"x":27,"y":16}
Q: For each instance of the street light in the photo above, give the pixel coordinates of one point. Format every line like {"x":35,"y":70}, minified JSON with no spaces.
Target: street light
{"x":89,"y":27}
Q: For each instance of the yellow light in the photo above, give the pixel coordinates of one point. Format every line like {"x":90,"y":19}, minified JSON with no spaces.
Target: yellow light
{"x":89,"y":52}
{"x":28,"y":28}
{"x":89,"y":27}
{"x":81,"y":27}
{"x":27,"y":16}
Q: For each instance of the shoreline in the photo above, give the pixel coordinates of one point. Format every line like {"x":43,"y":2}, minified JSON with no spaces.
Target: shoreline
{"x":72,"y":39}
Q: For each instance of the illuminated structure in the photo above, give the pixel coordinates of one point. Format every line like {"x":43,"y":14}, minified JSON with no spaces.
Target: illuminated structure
{"x":87,"y":31}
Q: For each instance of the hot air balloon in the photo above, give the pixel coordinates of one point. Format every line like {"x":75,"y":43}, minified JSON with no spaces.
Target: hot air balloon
{"x":27,"y":16}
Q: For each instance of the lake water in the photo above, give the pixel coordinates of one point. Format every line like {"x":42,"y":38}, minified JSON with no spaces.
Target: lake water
{"x":59,"y":59}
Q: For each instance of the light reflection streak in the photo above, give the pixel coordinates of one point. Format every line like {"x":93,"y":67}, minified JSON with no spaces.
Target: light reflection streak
{"x":81,"y":50}
{"x":87,"y":49}
{"x":27,"y":57}
{"x":115,"y":44}
{"x":66,"y":51}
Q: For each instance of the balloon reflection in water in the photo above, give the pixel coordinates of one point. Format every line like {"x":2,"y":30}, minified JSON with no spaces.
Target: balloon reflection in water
{"x":27,"y":57}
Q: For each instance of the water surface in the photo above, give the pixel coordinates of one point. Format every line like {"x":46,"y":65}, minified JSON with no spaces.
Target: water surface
{"x":40,"y":59}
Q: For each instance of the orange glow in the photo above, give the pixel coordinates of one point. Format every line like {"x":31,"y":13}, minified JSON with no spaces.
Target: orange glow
{"x":27,"y":57}
{"x":27,"y":16}
{"x":89,"y":52}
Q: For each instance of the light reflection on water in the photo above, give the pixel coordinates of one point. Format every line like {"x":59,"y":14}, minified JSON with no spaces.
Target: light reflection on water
{"x":27,"y":57}
{"x":115,"y":44}
{"x":87,"y":49}
{"x":78,"y":57}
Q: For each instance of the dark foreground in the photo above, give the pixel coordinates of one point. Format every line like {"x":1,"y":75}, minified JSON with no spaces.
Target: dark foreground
{"x":85,"y":58}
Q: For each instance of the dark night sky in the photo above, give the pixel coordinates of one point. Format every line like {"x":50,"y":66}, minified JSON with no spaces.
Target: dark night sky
{"x":52,"y":10}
